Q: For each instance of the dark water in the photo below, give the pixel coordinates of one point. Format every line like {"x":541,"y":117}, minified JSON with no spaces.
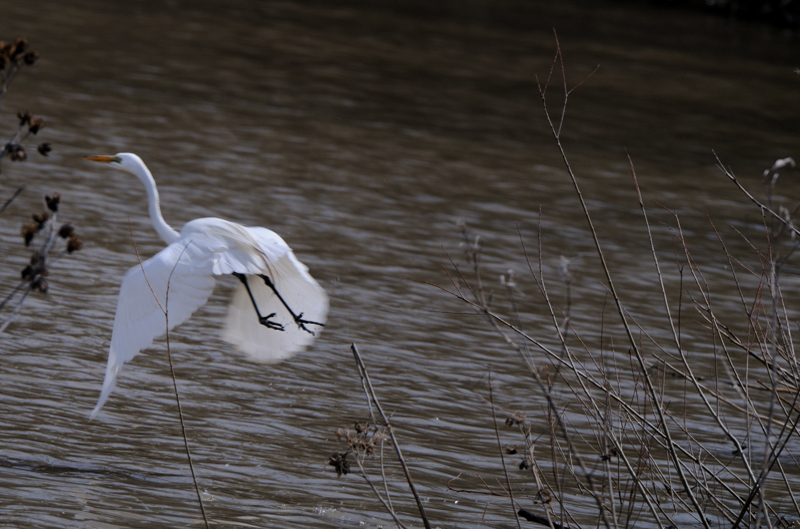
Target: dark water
{"x":361,"y":133}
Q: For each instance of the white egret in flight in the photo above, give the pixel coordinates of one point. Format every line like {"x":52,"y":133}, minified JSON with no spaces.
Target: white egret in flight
{"x":275,"y":312}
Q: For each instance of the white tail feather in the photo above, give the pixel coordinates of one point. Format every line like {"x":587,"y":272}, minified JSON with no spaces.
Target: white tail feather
{"x":300,"y":292}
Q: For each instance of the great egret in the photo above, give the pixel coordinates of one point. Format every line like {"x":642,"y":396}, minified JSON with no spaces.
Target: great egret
{"x":275,"y":312}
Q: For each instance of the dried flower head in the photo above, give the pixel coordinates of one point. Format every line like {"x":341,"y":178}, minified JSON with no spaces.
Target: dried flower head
{"x":66,"y":230}
{"x":340,"y":463}
{"x":31,"y":57}
{"x":515,"y":419}
{"x":37,"y":124}
{"x":40,"y":284}
{"x":16,"y":152}
{"x":40,"y":219}
{"x":27,"y":273}
{"x":44,"y":148}
{"x":52,"y":201}
{"x":74,"y":243}
{"x":28,"y":232}
{"x":24,"y":118}
{"x":18,"y":48}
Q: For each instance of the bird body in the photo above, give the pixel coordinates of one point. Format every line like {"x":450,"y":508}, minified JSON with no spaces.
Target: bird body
{"x":166,"y":289}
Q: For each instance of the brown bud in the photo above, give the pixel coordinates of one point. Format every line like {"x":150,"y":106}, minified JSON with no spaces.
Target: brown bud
{"x":74,"y":243}
{"x":40,"y":219}
{"x":37,"y":124}
{"x":27,"y":273}
{"x":17,"y":152}
{"x":66,"y":230}
{"x":52,"y":202}
{"x":19,"y":47}
{"x":44,"y":148}
{"x":40,"y":284}
{"x":28,"y":231}
{"x":24,"y":118}
{"x":31,"y":57}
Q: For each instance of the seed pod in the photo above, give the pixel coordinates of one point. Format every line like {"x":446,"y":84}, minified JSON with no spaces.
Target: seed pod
{"x":40,"y":284}
{"x":66,"y":230}
{"x":52,"y":202}
{"x":40,"y":219}
{"x":18,"y":153}
{"x":24,"y":118}
{"x":28,"y":231}
{"x":36,"y":125}
{"x":31,"y":57}
{"x":27,"y":273}
{"x":19,"y":48}
{"x":74,"y":243}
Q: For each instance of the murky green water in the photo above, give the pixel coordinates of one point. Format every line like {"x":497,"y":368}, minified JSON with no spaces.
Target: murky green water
{"x":361,"y":133}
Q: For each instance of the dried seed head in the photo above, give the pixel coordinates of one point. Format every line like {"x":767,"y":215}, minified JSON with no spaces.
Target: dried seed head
{"x":40,"y":219}
{"x":66,"y":230}
{"x":17,"y":152}
{"x":31,"y":57}
{"x":74,"y":243}
{"x":340,"y":463}
{"x":24,"y":118}
{"x":28,"y":231}
{"x":515,"y":419}
{"x":27,"y":273}
{"x":37,"y":124}
{"x":44,"y":148}
{"x":52,"y":202}
{"x":40,"y":284}
{"x":36,"y":258}
{"x":19,"y":47}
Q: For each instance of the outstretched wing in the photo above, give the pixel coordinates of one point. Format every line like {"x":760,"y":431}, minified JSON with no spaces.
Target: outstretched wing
{"x":143,"y":299}
{"x":297,"y":288}
{"x":209,"y":247}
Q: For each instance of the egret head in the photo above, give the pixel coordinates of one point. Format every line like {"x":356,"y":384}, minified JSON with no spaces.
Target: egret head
{"x":124,"y":160}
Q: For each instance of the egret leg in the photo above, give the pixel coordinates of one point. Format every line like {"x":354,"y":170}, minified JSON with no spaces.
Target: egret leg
{"x":263,"y":320}
{"x":298,"y":318}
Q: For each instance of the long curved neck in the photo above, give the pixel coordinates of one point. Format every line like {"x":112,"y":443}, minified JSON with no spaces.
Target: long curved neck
{"x":163,"y":229}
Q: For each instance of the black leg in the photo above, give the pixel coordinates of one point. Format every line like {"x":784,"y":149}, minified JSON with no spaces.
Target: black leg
{"x":263,"y":320}
{"x":298,"y":318}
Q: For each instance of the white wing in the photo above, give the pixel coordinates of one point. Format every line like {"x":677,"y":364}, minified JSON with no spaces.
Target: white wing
{"x":140,"y":317}
{"x":209,"y":247}
{"x":297,"y":288}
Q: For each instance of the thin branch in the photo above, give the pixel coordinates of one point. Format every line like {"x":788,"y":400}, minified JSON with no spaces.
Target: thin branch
{"x":362,"y":371}
{"x":502,"y":458}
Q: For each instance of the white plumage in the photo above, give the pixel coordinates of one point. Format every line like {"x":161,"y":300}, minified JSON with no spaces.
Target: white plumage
{"x":179,"y":279}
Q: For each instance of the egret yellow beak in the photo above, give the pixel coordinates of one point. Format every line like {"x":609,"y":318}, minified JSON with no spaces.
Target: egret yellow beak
{"x":102,"y":158}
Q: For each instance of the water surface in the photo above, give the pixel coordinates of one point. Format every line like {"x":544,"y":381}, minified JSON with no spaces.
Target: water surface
{"x":362,"y":133}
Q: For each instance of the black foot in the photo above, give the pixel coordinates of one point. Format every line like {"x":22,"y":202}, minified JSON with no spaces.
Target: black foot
{"x":301,"y":323}
{"x":269,"y":324}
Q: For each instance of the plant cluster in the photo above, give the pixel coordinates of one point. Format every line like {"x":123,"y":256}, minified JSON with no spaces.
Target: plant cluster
{"x":621,"y":428}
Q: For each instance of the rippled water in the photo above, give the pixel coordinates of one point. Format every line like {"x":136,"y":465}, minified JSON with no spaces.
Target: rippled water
{"x":361,"y":133}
